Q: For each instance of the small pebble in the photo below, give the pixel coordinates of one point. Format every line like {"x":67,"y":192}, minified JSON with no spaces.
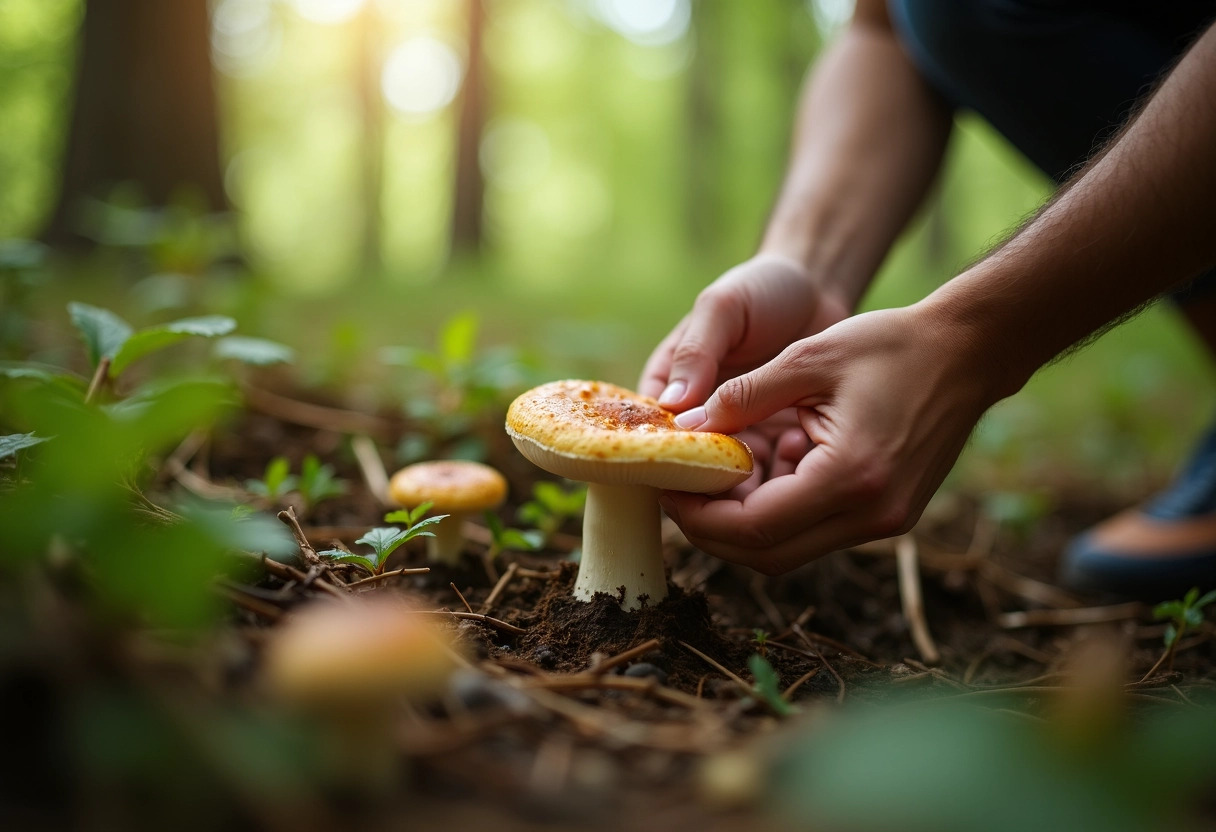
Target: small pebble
{"x":642,"y":670}
{"x":544,"y":657}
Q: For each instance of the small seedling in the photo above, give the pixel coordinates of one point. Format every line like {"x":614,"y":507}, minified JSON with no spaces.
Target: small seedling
{"x":317,"y":483}
{"x":1185,"y":614}
{"x":551,"y":505}
{"x":385,"y":540}
{"x":767,"y":687}
{"x":504,"y":539}
{"x":276,"y":482}
{"x":760,"y":639}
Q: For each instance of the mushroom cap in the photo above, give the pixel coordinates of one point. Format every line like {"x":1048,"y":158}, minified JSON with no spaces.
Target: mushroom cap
{"x":451,"y":484}
{"x":350,"y":653}
{"x":593,"y":431}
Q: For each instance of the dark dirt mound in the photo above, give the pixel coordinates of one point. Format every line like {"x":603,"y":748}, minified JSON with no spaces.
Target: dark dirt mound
{"x":565,"y":634}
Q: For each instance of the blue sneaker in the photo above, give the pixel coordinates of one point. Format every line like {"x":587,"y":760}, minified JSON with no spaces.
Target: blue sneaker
{"x":1156,"y":551}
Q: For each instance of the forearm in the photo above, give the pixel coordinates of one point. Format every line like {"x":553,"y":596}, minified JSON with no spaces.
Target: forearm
{"x":869,"y":138}
{"x":1139,"y":220}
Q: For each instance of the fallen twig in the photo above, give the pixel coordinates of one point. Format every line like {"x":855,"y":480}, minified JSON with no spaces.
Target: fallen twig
{"x":734,"y":677}
{"x":912,"y":599}
{"x":625,"y":657}
{"x":839,"y":679}
{"x":100,"y":375}
{"x":421,"y":570}
{"x":371,"y":466}
{"x":803,"y":679}
{"x":492,"y":598}
{"x":314,"y":415}
{"x":496,"y":623}
{"x":307,"y":553}
{"x":1070,"y":617}
{"x":460,"y":595}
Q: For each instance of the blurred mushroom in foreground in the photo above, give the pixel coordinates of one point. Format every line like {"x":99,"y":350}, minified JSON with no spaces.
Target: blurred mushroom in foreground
{"x":348,"y":665}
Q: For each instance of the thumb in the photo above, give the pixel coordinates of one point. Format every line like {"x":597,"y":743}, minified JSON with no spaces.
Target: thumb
{"x":752,"y":397}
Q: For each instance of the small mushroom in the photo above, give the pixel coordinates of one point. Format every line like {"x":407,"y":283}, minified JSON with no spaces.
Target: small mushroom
{"x":626,"y":447}
{"x":367,"y":650}
{"x":346,"y":666}
{"x":457,"y":488}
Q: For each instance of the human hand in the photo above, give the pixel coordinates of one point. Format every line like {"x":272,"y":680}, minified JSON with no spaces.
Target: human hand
{"x":885,"y":402}
{"x":738,"y":322}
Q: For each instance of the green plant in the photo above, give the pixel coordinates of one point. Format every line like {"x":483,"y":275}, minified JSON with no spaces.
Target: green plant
{"x":552,"y":505}
{"x":760,"y":639}
{"x":386,"y":539}
{"x":503,"y":539}
{"x":315,"y":483}
{"x":767,"y":685}
{"x":455,"y":388}
{"x":107,"y":336}
{"x":276,"y":482}
{"x":1184,"y":614}
{"x":80,"y":501}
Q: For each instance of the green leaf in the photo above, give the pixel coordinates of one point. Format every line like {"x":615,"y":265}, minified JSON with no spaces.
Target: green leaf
{"x":1191,"y":596}
{"x":317,"y":481}
{"x":495,"y":525}
{"x":236,"y":527}
{"x":42,"y":372}
{"x":408,"y":516}
{"x":14,"y":442}
{"x":384,"y":540}
{"x":1205,"y":600}
{"x":257,"y":351}
{"x":103,"y":332}
{"x":526,"y":541}
{"x":1193,"y":616}
{"x":1171,"y":635}
{"x":532,"y":513}
{"x":768,"y":685}
{"x":1168,"y":609}
{"x":430,"y":521}
{"x":156,"y":338}
{"x":458,"y":338}
{"x":339,"y":556}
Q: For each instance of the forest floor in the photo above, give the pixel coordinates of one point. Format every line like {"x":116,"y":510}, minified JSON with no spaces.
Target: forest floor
{"x":578,"y":715}
{"x":585,"y":715}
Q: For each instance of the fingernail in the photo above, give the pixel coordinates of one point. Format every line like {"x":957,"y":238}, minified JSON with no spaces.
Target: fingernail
{"x":673,"y":393}
{"x":691,"y":419}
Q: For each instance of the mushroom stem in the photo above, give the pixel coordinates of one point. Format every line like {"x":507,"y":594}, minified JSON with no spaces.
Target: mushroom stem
{"x":621,"y":545}
{"x":447,"y":545}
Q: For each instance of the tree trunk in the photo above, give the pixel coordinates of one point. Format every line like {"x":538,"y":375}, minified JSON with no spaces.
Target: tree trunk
{"x":370,"y":60}
{"x":470,"y":186}
{"x":145,"y":108}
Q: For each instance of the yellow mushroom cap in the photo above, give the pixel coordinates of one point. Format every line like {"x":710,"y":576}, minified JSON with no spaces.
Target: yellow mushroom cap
{"x":593,"y":431}
{"x":451,"y":484}
{"x":372,"y":648}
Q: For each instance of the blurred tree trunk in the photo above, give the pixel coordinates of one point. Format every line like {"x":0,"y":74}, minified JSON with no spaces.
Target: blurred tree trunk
{"x":371,"y":103}
{"x":145,"y":108}
{"x":470,"y":185}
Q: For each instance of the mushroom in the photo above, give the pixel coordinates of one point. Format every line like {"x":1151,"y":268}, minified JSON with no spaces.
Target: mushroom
{"x":346,"y":665}
{"x":455,"y":487}
{"x":625,"y":447}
